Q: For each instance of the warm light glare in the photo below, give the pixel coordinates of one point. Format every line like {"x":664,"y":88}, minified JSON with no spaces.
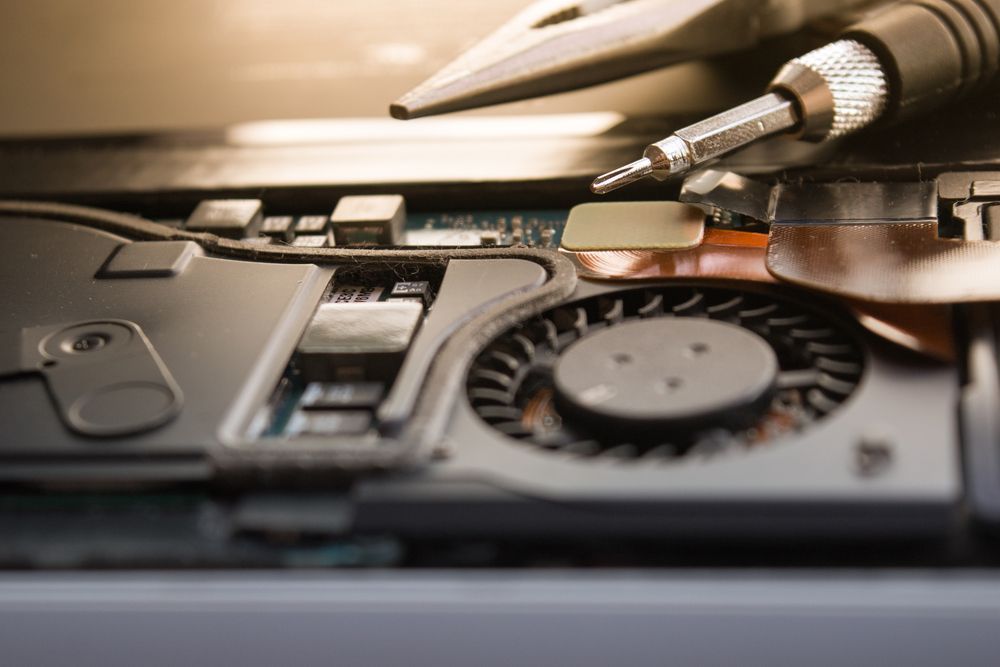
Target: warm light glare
{"x":320,"y":131}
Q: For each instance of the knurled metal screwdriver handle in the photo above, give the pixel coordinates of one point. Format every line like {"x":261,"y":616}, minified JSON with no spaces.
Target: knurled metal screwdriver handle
{"x":900,"y":60}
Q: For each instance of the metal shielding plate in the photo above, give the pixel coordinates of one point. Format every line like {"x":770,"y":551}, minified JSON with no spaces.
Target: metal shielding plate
{"x":361,"y":328}
{"x":634,"y":226}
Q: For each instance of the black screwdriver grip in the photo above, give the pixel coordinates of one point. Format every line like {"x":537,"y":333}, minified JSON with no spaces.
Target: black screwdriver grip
{"x":933,"y":51}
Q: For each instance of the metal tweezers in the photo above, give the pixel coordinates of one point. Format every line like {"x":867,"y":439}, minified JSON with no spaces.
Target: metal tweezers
{"x":555,"y":46}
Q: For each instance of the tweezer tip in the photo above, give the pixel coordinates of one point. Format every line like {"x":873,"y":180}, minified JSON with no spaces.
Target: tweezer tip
{"x":616,"y":178}
{"x":399,"y":111}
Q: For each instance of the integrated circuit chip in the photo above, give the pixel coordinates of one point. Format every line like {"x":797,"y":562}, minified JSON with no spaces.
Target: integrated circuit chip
{"x":369,"y":219}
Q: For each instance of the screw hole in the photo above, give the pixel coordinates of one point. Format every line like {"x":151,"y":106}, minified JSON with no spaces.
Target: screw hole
{"x":671,"y":384}
{"x":621,"y":358}
{"x":698,"y":349}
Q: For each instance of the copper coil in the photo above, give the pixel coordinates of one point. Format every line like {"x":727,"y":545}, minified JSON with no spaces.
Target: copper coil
{"x":722,"y":254}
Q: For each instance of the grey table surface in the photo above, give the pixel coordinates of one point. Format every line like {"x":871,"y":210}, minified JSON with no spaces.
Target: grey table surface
{"x":501,"y":618}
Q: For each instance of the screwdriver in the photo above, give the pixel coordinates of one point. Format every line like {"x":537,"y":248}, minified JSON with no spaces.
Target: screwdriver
{"x":903,"y":59}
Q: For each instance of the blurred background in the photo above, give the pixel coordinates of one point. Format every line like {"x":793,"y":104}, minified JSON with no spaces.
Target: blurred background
{"x":97,"y":66}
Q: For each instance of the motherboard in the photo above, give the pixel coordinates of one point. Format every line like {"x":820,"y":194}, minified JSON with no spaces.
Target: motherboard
{"x":613,"y":383}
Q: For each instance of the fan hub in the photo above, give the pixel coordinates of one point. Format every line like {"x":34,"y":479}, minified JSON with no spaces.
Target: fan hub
{"x":667,"y":371}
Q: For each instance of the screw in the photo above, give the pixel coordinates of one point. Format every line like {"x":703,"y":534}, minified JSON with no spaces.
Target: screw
{"x":872,"y":456}
{"x":89,"y":342}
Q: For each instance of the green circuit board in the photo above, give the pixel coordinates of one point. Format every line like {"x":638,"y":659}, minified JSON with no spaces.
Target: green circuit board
{"x":537,"y":228}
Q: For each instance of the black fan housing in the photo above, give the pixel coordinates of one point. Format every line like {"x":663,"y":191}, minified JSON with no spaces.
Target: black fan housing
{"x":660,"y":372}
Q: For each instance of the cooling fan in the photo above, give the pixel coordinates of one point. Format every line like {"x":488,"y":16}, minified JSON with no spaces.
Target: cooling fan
{"x":661,"y":372}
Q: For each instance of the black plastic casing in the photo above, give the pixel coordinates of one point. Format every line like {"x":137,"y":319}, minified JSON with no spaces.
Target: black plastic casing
{"x":933,"y":51}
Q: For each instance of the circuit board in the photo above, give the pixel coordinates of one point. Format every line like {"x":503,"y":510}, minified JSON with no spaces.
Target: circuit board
{"x":537,"y":228}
